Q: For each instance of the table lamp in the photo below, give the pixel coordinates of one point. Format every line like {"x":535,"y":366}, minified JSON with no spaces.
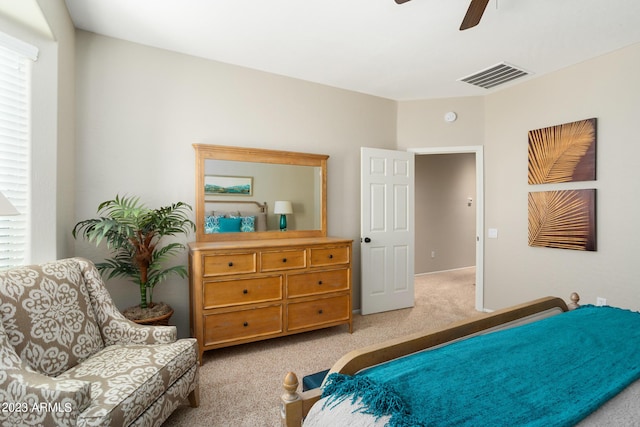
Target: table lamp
{"x":283,"y":208}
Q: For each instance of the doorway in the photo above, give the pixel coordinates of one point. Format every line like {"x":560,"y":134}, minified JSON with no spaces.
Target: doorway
{"x":477,"y":151}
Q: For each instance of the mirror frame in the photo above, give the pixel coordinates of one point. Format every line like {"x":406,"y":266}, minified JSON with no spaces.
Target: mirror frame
{"x":257,"y":155}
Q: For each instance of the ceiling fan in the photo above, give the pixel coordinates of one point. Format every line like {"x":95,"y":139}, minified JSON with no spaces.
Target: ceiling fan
{"x":473,"y":16}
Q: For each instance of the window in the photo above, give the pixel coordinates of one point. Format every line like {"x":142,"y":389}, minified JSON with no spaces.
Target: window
{"x":15,"y":137}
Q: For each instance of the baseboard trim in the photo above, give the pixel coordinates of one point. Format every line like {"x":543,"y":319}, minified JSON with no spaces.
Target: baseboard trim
{"x":445,"y":271}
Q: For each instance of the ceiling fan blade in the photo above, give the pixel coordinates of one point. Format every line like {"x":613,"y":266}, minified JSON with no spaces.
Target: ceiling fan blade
{"x":474,"y":14}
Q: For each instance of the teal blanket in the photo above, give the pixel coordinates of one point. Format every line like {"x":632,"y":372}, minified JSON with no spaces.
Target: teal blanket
{"x":553,"y":372}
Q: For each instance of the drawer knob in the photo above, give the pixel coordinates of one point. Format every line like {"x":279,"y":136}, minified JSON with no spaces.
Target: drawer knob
{"x":319,"y":282}
{"x":320,"y":311}
{"x":230,"y":264}
{"x":245,"y":291}
{"x":245,"y":324}
{"x":330,"y":256}
{"x":284,"y":260}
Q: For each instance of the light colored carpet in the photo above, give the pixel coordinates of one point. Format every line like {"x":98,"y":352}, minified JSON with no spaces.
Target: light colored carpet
{"x":240,"y":386}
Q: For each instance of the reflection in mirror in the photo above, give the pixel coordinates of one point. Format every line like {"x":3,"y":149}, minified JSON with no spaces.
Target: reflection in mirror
{"x":269,"y":182}
{"x":237,"y":190}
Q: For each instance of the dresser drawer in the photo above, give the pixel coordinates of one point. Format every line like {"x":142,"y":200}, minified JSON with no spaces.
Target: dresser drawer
{"x":231,"y":263}
{"x":317,"y":312}
{"x":242,"y":324}
{"x":317,"y":282}
{"x":329,"y":256}
{"x":283,"y":260}
{"x":224,"y":293}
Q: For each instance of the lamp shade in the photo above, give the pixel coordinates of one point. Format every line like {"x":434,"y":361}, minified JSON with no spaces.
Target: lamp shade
{"x":282,"y":207}
{"x":6,"y":208}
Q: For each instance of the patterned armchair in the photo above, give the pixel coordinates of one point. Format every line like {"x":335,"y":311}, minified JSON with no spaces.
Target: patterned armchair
{"x":68,"y":357}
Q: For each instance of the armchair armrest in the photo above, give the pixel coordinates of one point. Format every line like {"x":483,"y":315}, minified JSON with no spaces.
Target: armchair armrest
{"x":120,"y":330}
{"x":30,"y":398}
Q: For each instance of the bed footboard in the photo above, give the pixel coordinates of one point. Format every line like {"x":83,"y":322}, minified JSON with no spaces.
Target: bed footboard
{"x":295,"y":405}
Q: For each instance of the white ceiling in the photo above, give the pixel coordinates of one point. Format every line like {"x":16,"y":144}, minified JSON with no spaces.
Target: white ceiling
{"x":401,"y":52}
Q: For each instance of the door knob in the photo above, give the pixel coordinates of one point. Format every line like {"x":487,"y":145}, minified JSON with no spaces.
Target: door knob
{"x":367,"y":240}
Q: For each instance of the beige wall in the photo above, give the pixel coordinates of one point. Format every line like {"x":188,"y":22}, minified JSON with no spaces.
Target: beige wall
{"x":606,"y":88}
{"x":445,"y":221}
{"x":139,"y":109}
{"x":422,"y":124}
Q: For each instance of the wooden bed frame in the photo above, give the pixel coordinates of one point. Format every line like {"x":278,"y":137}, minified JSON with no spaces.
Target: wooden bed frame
{"x":296,"y":405}
{"x":262,"y":207}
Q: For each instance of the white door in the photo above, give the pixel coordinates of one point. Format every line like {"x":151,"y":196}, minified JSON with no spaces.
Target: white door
{"x":387,"y":229}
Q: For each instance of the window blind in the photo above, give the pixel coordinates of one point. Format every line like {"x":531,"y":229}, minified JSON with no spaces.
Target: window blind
{"x":15,"y":135}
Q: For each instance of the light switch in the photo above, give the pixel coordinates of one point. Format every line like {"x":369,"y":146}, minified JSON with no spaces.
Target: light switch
{"x":492,"y":233}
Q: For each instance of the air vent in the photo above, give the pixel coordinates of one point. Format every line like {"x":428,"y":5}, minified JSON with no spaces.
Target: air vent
{"x":495,"y":75}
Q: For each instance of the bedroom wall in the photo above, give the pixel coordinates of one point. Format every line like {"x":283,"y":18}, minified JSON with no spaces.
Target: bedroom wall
{"x":606,"y":88}
{"x":139,"y":109}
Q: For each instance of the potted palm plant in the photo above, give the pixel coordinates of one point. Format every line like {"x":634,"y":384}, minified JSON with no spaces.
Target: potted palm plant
{"x":133,"y":233}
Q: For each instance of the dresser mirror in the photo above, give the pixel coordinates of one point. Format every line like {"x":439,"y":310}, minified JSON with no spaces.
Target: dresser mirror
{"x":251,"y":194}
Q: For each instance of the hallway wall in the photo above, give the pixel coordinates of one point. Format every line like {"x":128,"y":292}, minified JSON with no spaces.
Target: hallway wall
{"x":445,"y":221}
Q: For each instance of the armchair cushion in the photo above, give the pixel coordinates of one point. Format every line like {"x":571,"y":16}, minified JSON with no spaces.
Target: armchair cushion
{"x":117,"y":371}
{"x":53,"y":299}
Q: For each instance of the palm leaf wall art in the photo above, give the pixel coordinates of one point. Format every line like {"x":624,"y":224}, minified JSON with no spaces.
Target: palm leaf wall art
{"x":563,"y":153}
{"x":563,"y":219}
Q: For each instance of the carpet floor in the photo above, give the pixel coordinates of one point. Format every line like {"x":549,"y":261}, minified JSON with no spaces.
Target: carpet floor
{"x":240,"y":386}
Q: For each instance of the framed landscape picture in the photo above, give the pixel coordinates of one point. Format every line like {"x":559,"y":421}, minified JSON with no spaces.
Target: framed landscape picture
{"x":228,"y":185}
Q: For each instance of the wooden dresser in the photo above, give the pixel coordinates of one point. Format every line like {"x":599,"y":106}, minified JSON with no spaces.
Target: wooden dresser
{"x":244,"y":291}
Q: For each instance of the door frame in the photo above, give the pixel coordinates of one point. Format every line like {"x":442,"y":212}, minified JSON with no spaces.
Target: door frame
{"x":478,"y":150}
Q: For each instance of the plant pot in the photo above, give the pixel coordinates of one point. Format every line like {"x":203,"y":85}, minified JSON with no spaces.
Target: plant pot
{"x":156,"y":321}
{"x":159,"y":314}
